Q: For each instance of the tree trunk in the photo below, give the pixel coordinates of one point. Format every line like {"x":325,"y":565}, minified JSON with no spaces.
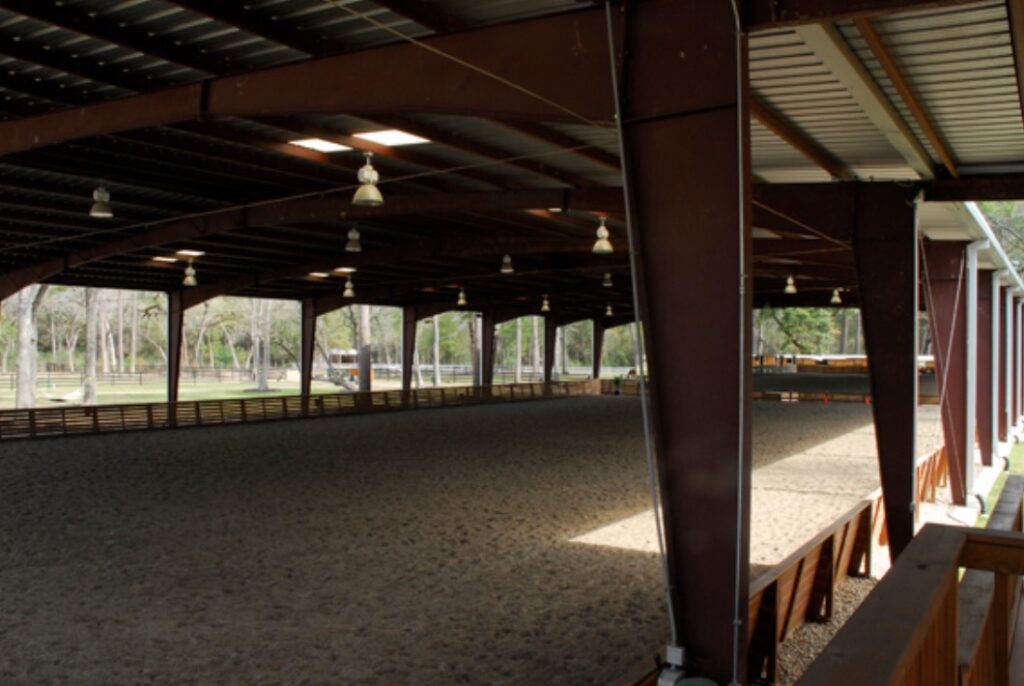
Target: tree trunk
{"x":261,"y":347}
{"x":54,"y":342}
{"x":104,"y":352}
{"x":536,"y":347}
{"x":27,"y":305}
{"x":133,"y":351}
{"x":437,"y":350}
{"x":416,"y":366}
{"x":91,"y":317}
{"x":229,"y":340}
{"x":120,"y":331}
{"x":474,"y":348}
{"x":519,"y":350}
{"x":70,"y":343}
{"x":365,"y":363}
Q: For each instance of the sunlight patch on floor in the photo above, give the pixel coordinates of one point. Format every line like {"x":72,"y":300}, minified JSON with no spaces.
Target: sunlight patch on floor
{"x":636,"y":533}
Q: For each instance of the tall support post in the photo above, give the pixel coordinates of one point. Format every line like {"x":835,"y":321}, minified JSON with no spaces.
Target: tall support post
{"x":998,"y":350}
{"x":1018,"y":350}
{"x":885,"y":250}
{"x":981,"y":381}
{"x":409,"y":322}
{"x":365,"y":352}
{"x":487,"y":349}
{"x":687,"y":171}
{"x":1006,"y":360}
{"x":947,"y":316}
{"x":597,"y":349}
{"x":306,"y":354}
{"x":175,"y":320}
{"x":550,"y":338}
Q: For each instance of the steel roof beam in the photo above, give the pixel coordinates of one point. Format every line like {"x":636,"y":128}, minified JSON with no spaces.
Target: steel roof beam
{"x":798,"y":139}
{"x":881,"y":53}
{"x":566,"y":50}
{"x":759,"y":15}
{"x":831,"y":49}
{"x":309,"y":210}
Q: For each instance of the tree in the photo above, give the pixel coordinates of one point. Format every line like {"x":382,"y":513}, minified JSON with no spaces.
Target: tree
{"x":27,"y":302}
{"x":91,"y":317}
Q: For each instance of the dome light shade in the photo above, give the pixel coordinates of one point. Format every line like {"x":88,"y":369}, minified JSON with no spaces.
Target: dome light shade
{"x":545,"y":305}
{"x":603,"y":246}
{"x":353,"y":244}
{"x":190,"y":276}
{"x":608,"y":312}
{"x":506,"y":265}
{"x":607,"y":280}
{"x":836,"y":298}
{"x":350,"y":291}
{"x":462,"y":302}
{"x":101,"y":204}
{"x":790,"y":285}
{"x":368,"y":195}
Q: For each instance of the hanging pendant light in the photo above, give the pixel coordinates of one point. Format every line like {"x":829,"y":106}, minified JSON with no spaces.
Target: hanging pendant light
{"x":607,"y":280}
{"x":190,"y":275}
{"x":836,"y":298}
{"x":608,"y":311}
{"x":350,"y":289}
{"x":368,"y":195}
{"x":790,"y":285}
{"x":353,"y":244}
{"x":602,"y":246}
{"x":101,"y":204}
{"x":462,"y":302}
{"x":506,"y":265}
{"x":545,"y":305}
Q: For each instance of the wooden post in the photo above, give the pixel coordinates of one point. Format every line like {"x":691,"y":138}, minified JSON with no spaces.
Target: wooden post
{"x":306,"y":355}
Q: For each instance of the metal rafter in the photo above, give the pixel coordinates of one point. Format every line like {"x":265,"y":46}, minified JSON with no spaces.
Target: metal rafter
{"x":792,"y":135}
{"x":877,"y":47}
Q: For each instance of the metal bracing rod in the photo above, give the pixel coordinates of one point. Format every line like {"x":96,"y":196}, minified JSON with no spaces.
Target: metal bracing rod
{"x":972,"y":360}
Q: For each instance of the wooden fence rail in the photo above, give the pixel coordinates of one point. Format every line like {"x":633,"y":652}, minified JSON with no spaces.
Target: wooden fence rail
{"x":77,"y":420}
{"x":915,"y":628}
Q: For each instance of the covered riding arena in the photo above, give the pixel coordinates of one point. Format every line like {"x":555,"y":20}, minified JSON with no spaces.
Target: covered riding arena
{"x":670,"y":165}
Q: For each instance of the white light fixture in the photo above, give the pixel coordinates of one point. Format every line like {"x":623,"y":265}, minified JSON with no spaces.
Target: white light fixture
{"x":162,"y":258}
{"x":506,"y":265}
{"x":836,"y":298}
{"x":790,"y":285}
{"x":368,"y":195}
{"x":545,"y":305}
{"x":101,"y":204}
{"x":607,"y":280}
{"x":190,"y":253}
{"x":345,"y":270}
{"x":320,"y":145}
{"x":350,"y":290}
{"x":319,"y":275}
{"x":602,"y":246}
{"x":391,"y":137}
{"x":190,"y":275}
{"x":608,"y":311}
{"x":462,"y":302}
{"x":353,"y":244}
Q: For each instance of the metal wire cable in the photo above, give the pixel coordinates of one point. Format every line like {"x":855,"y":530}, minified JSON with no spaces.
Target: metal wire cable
{"x":638,"y":354}
{"x":458,"y":60}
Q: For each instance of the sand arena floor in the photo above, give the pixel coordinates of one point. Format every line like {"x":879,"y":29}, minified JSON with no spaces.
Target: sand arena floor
{"x":432,"y":547}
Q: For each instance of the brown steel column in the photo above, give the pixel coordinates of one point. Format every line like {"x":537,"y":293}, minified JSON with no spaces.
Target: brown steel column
{"x":308,"y":344}
{"x":947,"y":317}
{"x":409,"y":322}
{"x":487,"y":350}
{"x":885,"y":252}
{"x":598,"y":347}
{"x":686,"y":141}
{"x":550,"y":337}
{"x":984,"y":431}
{"x":175,"y":319}
{"x":1005,"y":342}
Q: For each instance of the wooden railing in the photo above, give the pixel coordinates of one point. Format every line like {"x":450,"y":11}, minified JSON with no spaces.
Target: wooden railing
{"x":76,"y":420}
{"x":907,"y":630}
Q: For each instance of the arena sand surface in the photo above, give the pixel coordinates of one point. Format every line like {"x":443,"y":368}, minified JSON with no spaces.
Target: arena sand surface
{"x":431,"y":547}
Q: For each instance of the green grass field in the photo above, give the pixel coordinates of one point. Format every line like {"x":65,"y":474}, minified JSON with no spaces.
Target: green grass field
{"x":1016,"y":467}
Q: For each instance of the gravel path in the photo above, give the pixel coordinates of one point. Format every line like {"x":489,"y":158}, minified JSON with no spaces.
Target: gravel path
{"x":430,"y":547}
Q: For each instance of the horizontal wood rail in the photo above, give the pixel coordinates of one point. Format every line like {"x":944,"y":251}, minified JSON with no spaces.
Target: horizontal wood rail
{"x":907,"y":630}
{"x":96,"y":419}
